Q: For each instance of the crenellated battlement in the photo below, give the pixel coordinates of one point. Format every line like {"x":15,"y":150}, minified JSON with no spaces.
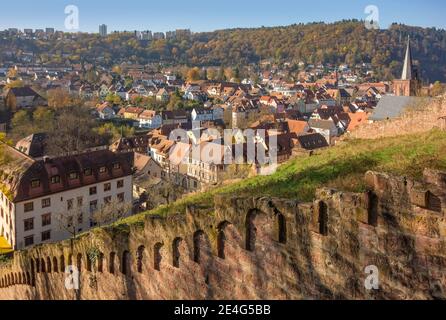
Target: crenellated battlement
{"x":257,"y":248}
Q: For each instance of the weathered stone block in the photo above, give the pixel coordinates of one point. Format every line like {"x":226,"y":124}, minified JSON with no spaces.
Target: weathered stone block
{"x":369,"y":180}
{"x":435,"y":177}
{"x":362,"y":208}
{"x":419,"y":198}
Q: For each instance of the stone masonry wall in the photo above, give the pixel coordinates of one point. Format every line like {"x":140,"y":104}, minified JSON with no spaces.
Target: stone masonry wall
{"x":258,"y":248}
{"x":425,"y":117}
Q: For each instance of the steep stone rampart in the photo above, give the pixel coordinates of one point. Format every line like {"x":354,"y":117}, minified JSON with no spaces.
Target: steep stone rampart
{"x":258,"y":248}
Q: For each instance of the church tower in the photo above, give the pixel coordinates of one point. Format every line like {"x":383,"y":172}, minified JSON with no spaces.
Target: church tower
{"x":409,"y":84}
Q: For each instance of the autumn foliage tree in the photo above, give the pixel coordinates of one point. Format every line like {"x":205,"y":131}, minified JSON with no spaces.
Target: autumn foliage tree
{"x":347,"y":41}
{"x":60,"y":98}
{"x":193,"y":74}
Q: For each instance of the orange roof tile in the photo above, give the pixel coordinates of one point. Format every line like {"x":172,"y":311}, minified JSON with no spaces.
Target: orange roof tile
{"x":297,"y":126}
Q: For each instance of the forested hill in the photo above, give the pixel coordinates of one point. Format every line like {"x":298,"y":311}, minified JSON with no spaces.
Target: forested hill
{"x":346,"y":41}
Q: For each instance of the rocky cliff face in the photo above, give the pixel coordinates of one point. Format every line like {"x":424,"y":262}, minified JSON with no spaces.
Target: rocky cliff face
{"x":258,"y":248}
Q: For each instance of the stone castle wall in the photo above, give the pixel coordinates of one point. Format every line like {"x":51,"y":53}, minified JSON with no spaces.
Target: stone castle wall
{"x":258,"y":248}
{"x":422,"y":118}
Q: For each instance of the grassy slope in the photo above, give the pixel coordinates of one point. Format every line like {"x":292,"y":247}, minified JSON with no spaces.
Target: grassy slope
{"x":341,"y":167}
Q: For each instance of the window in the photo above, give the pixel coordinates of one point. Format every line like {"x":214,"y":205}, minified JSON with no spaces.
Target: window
{"x":116,"y":166}
{"x":80,"y":202}
{"x":46,"y":203}
{"x":121,"y":197}
{"x":55,"y":179}
{"x":120,"y":184}
{"x":103,"y":169}
{"x":69,"y":221}
{"x":46,"y":219}
{"x":111,"y":263}
{"x":46,"y":235}
{"x":88,"y":172}
{"x":73,"y":176}
{"x":93,"y":223}
{"x":70,"y":204}
{"x":29,"y":206}
{"x":93,"y":191}
{"x":125,"y":264}
{"x":93,"y":205}
{"x":29,"y":224}
{"x":281,"y":228}
{"x":35,"y":183}
{"x":140,"y":257}
{"x":107,"y":187}
{"x":29,"y":241}
{"x":323,"y":218}
{"x":107,"y":200}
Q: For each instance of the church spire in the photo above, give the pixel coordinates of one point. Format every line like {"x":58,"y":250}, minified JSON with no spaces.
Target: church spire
{"x":408,"y":64}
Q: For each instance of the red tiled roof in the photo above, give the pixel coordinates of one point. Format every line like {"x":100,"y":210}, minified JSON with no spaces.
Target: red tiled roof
{"x":297,"y":126}
{"x":63,"y":166}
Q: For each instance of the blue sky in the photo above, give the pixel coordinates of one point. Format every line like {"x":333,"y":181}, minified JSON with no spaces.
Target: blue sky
{"x":208,"y":15}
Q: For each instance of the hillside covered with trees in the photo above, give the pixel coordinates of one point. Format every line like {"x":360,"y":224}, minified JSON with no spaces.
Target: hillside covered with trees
{"x":342,"y":42}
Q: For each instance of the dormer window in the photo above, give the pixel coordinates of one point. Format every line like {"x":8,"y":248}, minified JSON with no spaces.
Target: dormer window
{"x":55,"y":179}
{"x":116,"y":166}
{"x":88,"y":172}
{"x":73,"y":176}
{"x":103,"y":169}
{"x":35,"y":183}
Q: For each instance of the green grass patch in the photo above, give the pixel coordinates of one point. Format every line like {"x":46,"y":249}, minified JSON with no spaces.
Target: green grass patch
{"x":340,"y":167}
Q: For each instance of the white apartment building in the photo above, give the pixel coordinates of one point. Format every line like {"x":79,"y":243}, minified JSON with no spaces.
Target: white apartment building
{"x":34,"y":199}
{"x":149,"y":119}
{"x":206,"y":166}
